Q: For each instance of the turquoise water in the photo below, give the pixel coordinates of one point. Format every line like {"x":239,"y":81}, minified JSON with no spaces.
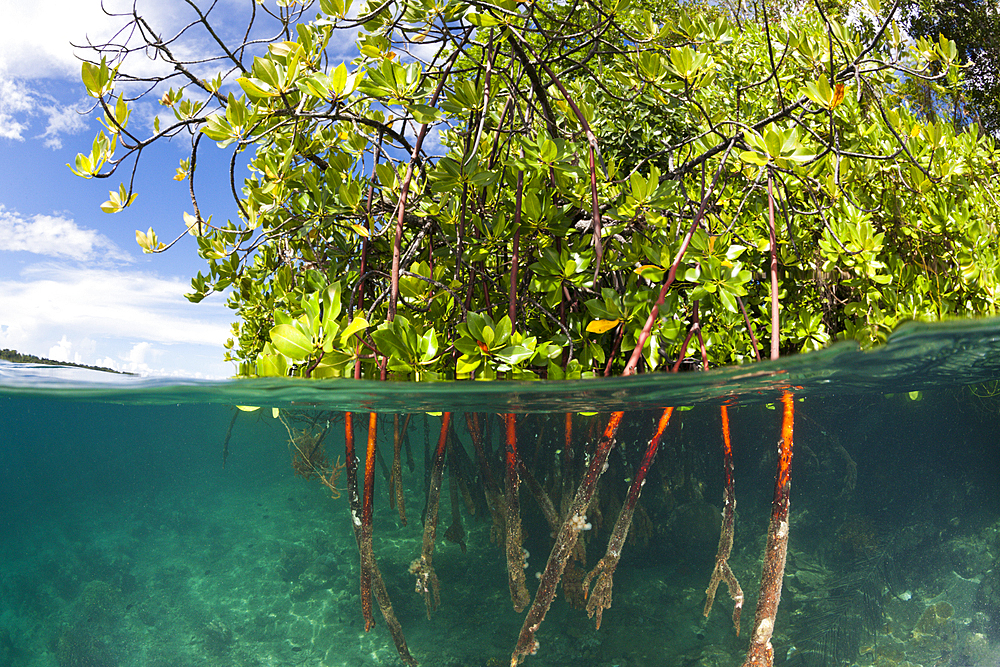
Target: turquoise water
{"x":129,"y":538}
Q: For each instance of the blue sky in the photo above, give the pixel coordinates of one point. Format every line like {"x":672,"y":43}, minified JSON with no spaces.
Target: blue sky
{"x":74,"y":286}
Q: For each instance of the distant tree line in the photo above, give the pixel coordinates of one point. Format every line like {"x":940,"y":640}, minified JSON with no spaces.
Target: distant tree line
{"x":19,"y":358}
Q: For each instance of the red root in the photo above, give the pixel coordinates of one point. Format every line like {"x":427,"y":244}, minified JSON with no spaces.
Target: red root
{"x":761,"y":653}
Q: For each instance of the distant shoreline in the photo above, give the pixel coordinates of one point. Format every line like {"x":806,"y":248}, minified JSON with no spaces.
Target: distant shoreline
{"x":19,"y":358}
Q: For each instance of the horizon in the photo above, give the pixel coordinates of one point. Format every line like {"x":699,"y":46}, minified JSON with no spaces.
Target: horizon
{"x":74,"y":285}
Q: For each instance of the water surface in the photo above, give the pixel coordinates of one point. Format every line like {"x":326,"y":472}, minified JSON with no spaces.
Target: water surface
{"x":131,"y":539}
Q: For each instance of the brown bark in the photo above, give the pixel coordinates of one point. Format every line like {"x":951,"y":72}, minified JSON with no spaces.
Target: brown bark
{"x":775,"y":325}
{"x":761,"y":653}
{"x":722,"y":571}
{"x":600,"y":597}
{"x":575,"y":521}
{"x":515,"y":552}
{"x":423,"y":567}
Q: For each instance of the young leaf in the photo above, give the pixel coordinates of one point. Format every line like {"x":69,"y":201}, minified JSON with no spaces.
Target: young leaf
{"x":291,"y":342}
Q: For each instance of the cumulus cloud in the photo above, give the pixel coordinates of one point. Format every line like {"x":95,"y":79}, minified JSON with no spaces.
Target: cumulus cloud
{"x":62,"y":120}
{"x":99,"y":303}
{"x":126,"y":320}
{"x":36,"y":37}
{"x":37,"y":55}
{"x":55,"y":236}
{"x":72,"y":351}
{"x":61,"y":351}
{"x":15,"y":102}
{"x":20,"y":103}
{"x":138,"y":360}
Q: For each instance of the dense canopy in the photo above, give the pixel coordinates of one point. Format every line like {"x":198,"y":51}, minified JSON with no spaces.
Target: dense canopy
{"x":541,"y":189}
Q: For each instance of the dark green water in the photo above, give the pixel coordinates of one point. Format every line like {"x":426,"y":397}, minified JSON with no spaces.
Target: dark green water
{"x":126,"y":542}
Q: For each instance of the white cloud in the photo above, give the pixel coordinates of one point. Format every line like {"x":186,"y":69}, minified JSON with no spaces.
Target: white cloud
{"x":19,"y":102}
{"x":62,"y":120}
{"x":137,"y":360}
{"x":36,"y":37}
{"x":102,"y":303}
{"x":15,"y":101}
{"x":133,"y":321}
{"x":146,"y":359}
{"x":36,"y":44}
{"x":61,"y":351}
{"x":55,"y":236}
{"x":72,"y":351}
{"x":38,"y":59}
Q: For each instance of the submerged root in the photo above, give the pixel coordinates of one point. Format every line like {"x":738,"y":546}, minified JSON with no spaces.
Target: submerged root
{"x":722,"y":572}
{"x":599,"y":598}
{"x":761,"y":653}
{"x":515,"y":552}
{"x":422,"y":568}
{"x":361,"y":514}
{"x":565,"y":544}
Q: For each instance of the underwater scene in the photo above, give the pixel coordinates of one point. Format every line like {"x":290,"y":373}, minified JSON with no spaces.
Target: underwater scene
{"x":836,"y":508}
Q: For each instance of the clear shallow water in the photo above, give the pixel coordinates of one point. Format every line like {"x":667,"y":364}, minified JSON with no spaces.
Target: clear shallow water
{"x":127,"y":542}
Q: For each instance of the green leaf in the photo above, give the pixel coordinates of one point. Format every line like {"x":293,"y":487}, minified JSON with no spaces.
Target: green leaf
{"x":728,"y":300}
{"x":290,"y":341}
{"x":148,"y":241}
{"x":465,"y":365}
{"x":217,"y":128}
{"x":338,"y":79}
{"x":773,"y":141}
{"x":514,"y":354}
{"x":96,"y":78}
{"x":482,"y":20}
{"x":386,"y":174}
{"x":755,"y":158}
{"x":503,"y":331}
{"x":476,"y":322}
{"x":331,"y":302}
{"x":255,"y":88}
{"x":270,"y":364}
{"x":651,"y":272}
{"x":315,"y":86}
{"x":333,"y":8}
{"x":424,"y":113}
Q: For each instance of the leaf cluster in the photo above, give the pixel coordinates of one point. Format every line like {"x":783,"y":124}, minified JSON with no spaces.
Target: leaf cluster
{"x":499,"y":189}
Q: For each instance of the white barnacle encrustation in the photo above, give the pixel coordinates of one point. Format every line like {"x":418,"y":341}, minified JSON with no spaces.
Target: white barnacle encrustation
{"x":763,"y":631}
{"x":782,"y":532}
{"x":354,"y":515}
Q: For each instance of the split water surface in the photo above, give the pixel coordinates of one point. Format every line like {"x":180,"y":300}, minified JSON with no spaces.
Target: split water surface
{"x":150,"y":523}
